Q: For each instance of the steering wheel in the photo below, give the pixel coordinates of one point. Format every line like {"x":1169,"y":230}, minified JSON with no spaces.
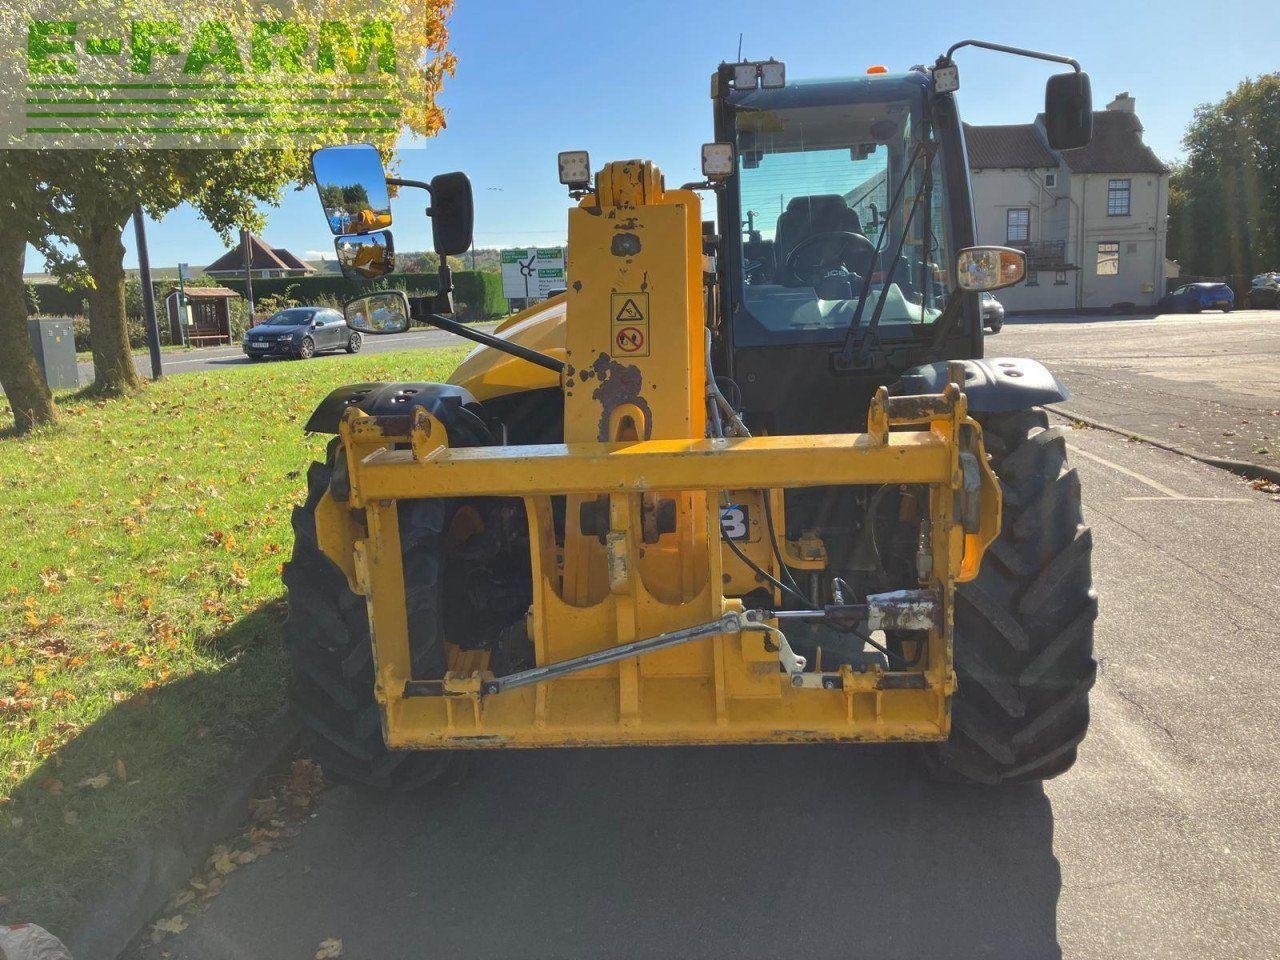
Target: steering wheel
{"x":843,"y":248}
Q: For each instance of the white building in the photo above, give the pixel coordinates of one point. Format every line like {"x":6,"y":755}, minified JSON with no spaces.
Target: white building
{"x":1092,"y":220}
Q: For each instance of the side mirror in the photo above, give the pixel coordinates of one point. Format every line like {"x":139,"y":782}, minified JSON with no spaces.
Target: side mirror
{"x":990,"y":268}
{"x":1068,"y":110}
{"x":366,"y":256}
{"x":385,"y":312}
{"x":452,"y":214}
{"x":352,"y":187}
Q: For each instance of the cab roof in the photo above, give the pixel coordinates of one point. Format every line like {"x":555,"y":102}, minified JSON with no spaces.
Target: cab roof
{"x":832,"y":92}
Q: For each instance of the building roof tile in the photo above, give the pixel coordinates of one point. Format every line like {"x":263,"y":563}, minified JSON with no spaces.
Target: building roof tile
{"x":1116,"y":147}
{"x":1016,"y":146}
{"x":263,"y":258}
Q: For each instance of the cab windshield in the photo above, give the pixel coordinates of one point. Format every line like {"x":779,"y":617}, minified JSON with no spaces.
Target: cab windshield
{"x":841,"y":204}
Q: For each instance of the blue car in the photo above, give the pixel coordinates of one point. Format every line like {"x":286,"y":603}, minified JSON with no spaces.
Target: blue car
{"x":1195,"y":297}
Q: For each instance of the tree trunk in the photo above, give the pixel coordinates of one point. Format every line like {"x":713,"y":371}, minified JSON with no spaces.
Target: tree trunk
{"x":113,"y":370}
{"x":20,"y":375}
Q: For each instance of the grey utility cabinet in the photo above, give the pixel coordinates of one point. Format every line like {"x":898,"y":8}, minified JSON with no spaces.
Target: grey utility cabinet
{"x":54,"y":344}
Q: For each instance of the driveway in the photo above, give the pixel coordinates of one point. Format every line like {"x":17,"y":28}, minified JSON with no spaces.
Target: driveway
{"x":1162,"y":842}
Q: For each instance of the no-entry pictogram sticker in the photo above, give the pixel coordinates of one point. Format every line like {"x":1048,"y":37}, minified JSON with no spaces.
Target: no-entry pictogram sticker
{"x":629,"y":313}
{"x":630,"y":340}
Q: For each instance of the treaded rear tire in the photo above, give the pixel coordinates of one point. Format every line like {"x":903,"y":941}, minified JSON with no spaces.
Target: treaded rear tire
{"x":327,"y":636}
{"x":1024,"y":626}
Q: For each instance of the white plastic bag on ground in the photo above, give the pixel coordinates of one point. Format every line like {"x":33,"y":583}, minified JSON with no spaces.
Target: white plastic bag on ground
{"x":26,"y":941}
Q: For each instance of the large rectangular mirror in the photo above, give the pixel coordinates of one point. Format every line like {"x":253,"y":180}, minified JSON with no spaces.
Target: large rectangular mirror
{"x":366,"y":256}
{"x":352,"y":187}
{"x":385,"y":312}
{"x":452,"y":213}
{"x":1068,"y":110}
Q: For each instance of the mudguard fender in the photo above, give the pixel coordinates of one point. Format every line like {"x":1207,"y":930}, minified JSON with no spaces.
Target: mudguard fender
{"x":992,"y":384}
{"x":444,"y":401}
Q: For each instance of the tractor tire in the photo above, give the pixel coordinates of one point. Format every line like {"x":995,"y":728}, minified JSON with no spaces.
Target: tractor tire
{"x":1024,"y":626}
{"x":327,"y":636}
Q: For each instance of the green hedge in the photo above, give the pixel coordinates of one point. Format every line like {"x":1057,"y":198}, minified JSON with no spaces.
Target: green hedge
{"x":478,"y":294}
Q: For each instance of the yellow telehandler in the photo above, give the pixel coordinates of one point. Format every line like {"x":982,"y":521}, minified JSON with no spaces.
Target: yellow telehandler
{"x":747,"y":480}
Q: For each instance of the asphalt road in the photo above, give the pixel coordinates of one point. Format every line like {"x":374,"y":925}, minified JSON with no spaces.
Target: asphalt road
{"x":1162,"y":842}
{"x":220,"y":358}
{"x":1209,"y":382}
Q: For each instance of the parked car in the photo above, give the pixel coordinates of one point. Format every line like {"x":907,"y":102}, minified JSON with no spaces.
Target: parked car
{"x":1194,"y":297}
{"x":1264,"y":292}
{"x":300,"y":332}
{"x":992,"y":312}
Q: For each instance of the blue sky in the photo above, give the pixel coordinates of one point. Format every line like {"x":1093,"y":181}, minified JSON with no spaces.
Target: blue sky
{"x":631,"y":80}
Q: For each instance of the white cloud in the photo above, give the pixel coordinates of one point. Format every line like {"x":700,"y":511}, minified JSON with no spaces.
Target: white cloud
{"x":318,"y":255}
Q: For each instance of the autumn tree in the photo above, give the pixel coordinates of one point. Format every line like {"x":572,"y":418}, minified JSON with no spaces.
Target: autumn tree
{"x":237,"y":158}
{"x":20,"y":376}
{"x":1224,"y":199}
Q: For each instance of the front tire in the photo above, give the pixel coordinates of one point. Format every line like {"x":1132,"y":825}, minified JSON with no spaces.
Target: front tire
{"x":354,"y":343}
{"x":1024,"y":626}
{"x":327,"y":635}
{"x":306,"y":349}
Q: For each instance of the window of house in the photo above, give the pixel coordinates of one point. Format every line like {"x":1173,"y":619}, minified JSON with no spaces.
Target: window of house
{"x":1050,"y":179}
{"x":1108,"y":259}
{"x":1060,"y":278}
{"x":1018,"y":225}
{"x":1033,"y":278}
{"x":1118,"y":197}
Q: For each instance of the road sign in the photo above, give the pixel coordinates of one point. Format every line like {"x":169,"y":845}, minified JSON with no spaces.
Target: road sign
{"x":184,"y":271}
{"x":532,"y":273}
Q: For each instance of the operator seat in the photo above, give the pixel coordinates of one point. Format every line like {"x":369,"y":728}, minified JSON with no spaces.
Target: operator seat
{"x":807,"y":216}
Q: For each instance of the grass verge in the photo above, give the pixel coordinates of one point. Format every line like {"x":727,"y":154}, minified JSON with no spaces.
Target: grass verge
{"x":141,"y":543}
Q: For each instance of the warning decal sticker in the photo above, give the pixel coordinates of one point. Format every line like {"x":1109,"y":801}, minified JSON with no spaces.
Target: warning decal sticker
{"x":629,"y":340}
{"x":630,"y":315}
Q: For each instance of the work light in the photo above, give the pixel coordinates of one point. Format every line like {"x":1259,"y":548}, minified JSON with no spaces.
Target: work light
{"x":717,"y":160}
{"x":744,"y":75}
{"x":946,"y":78}
{"x":575,"y":169}
{"x":773,"y":75}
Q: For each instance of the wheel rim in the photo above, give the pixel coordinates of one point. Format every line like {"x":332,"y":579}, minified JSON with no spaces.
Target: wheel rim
{"x":354,"y":343}
{"x":307,"y":348}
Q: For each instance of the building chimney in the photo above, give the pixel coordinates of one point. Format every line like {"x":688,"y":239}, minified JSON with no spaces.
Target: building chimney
{"x":1123,"y":103}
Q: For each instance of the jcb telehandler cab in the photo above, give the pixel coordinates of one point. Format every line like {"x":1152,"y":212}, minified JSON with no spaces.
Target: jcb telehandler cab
{"x":746,"y":481}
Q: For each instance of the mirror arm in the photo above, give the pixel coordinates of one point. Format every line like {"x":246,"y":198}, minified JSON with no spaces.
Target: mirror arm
{"x":444,"y":297}
{"x":397,"y":182}
{"x":420,"y":310}
{"x":1001,"y":48}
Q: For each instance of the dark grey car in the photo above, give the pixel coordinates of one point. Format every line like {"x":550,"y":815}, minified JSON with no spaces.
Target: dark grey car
{"x":992,"y":313}
{"x":300,"y":332}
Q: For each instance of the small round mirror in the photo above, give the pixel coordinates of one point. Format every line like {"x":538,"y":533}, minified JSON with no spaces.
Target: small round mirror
{"x":990,"y":268}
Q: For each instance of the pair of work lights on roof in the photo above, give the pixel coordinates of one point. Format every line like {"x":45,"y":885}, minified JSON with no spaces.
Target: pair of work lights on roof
{"x":717,"y":158}
{"x":575,"y":165}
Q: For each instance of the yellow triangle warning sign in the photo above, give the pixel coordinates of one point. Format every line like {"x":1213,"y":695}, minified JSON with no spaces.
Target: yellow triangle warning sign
{"x":630,"y":313}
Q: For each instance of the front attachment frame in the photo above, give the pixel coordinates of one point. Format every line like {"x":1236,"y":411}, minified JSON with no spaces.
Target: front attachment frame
{"x":721,"y":680}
